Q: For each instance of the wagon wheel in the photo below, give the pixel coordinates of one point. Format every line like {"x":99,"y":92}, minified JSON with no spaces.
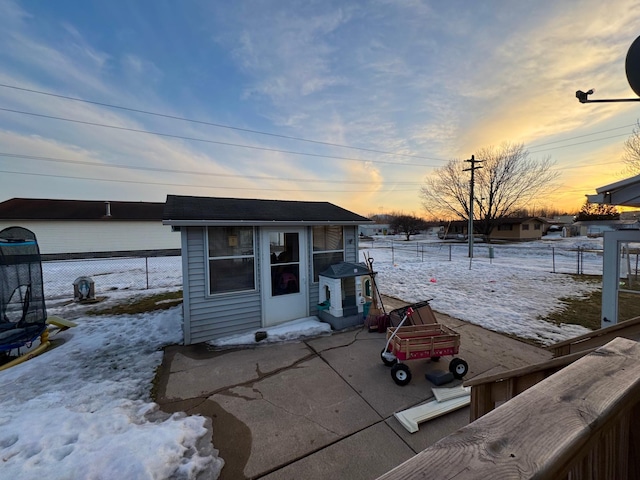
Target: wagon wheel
{"x":458,"y":367}
{"x":401,"y":374}
{"x":385,"y":360}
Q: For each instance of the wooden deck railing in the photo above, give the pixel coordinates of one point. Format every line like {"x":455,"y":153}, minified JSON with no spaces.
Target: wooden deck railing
{"x":626,"y":329}
{"x":491,"y":391}
{"x":583,"y":422}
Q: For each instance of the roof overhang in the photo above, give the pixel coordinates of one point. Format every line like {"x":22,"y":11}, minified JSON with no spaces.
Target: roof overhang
{"x":625,"y":193}
{"x":256,"y":223}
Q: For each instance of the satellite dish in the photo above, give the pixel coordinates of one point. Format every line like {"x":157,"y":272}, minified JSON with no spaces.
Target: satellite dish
{"x":632,"y":66}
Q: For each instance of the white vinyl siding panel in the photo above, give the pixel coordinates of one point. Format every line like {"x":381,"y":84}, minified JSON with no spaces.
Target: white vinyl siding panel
{"x":82,"y":236}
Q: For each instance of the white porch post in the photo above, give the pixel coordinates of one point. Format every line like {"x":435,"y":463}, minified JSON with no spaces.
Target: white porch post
{"x":611,"y":273}
{"x":610,"y":280}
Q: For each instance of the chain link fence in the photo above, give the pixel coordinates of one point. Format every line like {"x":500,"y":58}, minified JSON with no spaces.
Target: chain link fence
{"x":130,"y":273}
{"x":579,"y":260}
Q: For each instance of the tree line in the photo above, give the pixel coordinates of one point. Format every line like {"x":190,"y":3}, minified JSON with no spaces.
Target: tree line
{"x":508,"y":182}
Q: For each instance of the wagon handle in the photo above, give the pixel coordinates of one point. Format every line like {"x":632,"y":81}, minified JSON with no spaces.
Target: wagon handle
{"x":407,"y":314}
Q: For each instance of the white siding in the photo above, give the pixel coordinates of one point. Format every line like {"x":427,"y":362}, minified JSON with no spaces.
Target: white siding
{"x":99,"y":235}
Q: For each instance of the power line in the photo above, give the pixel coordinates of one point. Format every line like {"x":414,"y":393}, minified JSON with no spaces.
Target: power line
{"x":191,"y":185}
{"x":579,"y":143}
{"x":212,"y":124}
{"x":288,"y":137}
{"x":204,"y":140}
{"x":582,"y":136}
{"x":187,"y":172}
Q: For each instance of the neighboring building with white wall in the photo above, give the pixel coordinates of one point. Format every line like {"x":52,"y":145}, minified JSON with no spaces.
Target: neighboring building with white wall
{"x":87,"y":226}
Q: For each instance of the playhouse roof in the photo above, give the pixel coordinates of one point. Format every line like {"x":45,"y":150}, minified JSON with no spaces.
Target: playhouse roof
{"x":193,"y":211}
{"x":345,"y":270}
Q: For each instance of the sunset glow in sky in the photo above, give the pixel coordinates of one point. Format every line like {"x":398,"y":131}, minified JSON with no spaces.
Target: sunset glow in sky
{"x":352,"y":102}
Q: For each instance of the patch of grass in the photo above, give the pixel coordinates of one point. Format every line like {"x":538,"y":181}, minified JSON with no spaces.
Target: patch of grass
{"x":142,"y":304}
{"x":586,"y":311}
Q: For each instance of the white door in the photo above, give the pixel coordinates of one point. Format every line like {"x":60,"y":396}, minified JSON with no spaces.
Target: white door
{"x":283,"y":274}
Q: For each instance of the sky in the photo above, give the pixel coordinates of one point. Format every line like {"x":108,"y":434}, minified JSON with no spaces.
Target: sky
{"x":351,"y":102}
{"x":111,"y":428}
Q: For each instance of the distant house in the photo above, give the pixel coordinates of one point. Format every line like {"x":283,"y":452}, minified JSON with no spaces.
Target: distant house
{"x":249,"y":264}
{"x":374,"y":229}
{"x":507,"y":228}
{"x":596,"y":228}
{"x":522,"y":228}
{"x":87,"y":226}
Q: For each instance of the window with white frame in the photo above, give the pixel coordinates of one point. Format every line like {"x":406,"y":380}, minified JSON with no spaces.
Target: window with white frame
{"x":328,"y":248}
{"x":231,"y":258}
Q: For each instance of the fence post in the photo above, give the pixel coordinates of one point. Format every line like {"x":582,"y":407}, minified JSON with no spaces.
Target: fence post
{"x":578,"y":258}
{"x":449,"y":252}
{"x":146,"y":268}
{"x":393,"y":256}
{"x":553,"y":256}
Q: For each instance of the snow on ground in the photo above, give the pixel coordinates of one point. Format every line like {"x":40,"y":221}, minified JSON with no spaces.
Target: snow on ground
{"x":83,"y":409}
{"x":506,"y":294}
{"x":304,"y":327}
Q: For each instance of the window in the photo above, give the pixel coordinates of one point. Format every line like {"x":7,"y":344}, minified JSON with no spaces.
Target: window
{"x":231,"y":259}
{"x":285,"y":262}
{"x":536,"y":226}
{"x":525,"y":226}
{"x":505,"y":227}
{"x":328,"y":248}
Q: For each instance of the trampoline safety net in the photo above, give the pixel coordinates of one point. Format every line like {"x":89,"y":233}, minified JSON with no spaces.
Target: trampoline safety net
{"x":22,"y":308}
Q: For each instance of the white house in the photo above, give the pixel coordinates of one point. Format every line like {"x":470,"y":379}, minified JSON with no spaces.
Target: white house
{"x":85,"y":226}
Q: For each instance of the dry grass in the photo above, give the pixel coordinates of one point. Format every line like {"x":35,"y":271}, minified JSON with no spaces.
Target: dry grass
{"x":142,"y":304}
{"x":585,"y":311}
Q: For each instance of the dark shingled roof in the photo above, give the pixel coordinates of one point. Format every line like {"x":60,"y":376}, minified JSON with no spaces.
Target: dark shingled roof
{"x":345,"y":270}
{"x":43,"y":209}
{"x":183,"y":210}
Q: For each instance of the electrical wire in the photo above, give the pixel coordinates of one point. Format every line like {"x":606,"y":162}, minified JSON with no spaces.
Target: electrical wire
{"x":187,"y":172}
{"x":212,"y":124}
{"x":204,"y":140}
{"x":288,"y":137}
{"x":217,"y":187}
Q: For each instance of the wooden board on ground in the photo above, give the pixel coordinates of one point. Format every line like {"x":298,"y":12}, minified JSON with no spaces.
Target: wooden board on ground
{"x":61,"y":323}
{"x":411,"y":417}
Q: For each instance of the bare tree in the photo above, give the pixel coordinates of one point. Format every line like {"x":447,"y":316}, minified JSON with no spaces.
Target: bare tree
{"x":631,"y":155}
{"x":407,"y":224}
{"x":508,"y":181}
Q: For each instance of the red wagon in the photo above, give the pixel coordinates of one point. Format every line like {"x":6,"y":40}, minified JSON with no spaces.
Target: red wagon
{"x":413,"y":342}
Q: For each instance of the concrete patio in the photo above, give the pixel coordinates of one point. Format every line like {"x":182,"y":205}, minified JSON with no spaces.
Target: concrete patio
{"x":322,"y":407}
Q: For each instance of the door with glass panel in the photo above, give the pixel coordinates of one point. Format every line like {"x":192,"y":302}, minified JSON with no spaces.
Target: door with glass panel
{"x":284,"y":274}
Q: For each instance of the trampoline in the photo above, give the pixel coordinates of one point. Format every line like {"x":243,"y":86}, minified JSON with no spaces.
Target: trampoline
{"x":23,"y":316}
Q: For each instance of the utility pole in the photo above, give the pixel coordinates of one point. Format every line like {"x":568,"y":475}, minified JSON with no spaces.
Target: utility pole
{"x":472,"y":168}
